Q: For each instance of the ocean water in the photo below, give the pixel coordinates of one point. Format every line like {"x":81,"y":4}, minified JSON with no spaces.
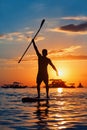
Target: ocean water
{"x":67,"y":112}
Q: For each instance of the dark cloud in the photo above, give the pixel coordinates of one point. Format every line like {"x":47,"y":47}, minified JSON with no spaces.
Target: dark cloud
{"x":75,"y":28}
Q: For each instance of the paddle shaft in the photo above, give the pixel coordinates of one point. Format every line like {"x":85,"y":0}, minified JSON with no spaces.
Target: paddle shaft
{"x":31,"y":40}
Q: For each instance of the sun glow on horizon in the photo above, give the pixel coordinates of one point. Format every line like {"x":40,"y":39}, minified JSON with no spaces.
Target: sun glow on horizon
{"x":60,"y":73}
{"x":63,"y":72}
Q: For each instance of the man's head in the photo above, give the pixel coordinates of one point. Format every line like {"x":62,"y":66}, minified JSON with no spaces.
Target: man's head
{"x":44,"y":52}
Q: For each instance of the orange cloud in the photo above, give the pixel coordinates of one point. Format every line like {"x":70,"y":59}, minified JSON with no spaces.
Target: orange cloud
{"x":58,"y":54}
{"x":15,"y":36}
{"x":19,"y":36}
{"x":53,"y":53}
{"x":70,"y":57}
{"x":82,"y":18}
{"x":40,"y":38}
{"x":72,"y":48}
{"x":63,"y":51}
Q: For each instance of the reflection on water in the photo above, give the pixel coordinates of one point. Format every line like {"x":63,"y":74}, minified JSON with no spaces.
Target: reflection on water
{"x":42,"y":115}
{"x":60,"y":90}
{"x":68,"y":110}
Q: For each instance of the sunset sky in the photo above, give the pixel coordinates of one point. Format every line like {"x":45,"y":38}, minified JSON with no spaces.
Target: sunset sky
{"x":64,"y":35}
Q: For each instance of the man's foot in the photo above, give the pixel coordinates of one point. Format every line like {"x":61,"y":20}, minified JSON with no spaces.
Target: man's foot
{"x":48,"y":97}
{"x":37,"y":97}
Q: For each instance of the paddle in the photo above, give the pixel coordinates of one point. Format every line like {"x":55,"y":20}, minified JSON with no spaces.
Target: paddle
{"x":31,"y":40}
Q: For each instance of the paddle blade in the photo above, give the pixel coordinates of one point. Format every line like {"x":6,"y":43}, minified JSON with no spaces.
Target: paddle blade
{"x":42,"y":23}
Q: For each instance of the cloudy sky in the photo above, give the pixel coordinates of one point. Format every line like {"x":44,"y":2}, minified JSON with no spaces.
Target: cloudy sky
{"x":64,"y":34}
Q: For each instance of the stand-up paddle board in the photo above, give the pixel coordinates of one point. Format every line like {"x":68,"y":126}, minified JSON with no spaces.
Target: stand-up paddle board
{"x":34,"y":99}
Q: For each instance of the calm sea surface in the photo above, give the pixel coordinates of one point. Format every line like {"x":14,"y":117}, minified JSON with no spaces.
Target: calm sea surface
{"x":67,"y":112}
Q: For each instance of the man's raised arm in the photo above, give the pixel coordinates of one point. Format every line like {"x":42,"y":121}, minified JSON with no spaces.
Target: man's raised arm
{"x":35,"y":47}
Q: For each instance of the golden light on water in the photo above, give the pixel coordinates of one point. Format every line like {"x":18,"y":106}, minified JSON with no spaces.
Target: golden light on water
{"x":60,"y":90}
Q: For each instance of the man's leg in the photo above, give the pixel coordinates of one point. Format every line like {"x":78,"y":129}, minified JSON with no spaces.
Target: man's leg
{"x":47,"y":90}
{"x":39,"y":80}
{"x":47,"y":86}
{"x":38,"y":89}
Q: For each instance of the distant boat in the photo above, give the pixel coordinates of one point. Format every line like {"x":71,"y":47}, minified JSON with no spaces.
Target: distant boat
{"x":80,"y":86}
{"x":13,"y":85}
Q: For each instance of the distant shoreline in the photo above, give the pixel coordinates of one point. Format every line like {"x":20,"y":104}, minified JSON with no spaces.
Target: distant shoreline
{"x":55,"y":83}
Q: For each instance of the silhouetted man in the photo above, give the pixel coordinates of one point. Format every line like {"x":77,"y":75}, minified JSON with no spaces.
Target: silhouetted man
{"x":42,"y":75}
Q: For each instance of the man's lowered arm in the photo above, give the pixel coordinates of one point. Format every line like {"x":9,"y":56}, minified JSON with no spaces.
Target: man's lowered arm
{"x":54,"y":67}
